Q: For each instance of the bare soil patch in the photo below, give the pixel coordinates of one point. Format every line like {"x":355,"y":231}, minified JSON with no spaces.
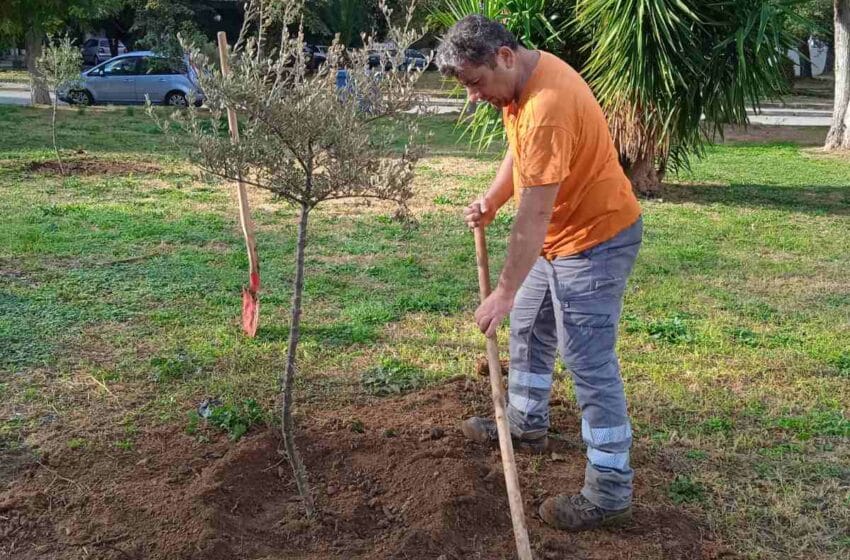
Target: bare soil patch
{"x":90,"y":166}
{"x":394,"y":479}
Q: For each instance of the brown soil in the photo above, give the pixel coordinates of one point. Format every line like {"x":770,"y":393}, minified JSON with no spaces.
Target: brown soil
{"x":92,"y":167}
{"x":403,"y":484}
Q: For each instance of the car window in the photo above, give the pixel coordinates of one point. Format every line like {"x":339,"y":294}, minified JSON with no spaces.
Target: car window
{"x":121,"y":67}
{"x":158,"y":66}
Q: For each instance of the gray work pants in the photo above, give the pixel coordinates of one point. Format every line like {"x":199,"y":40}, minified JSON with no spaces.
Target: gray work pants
{"x":572,"y":305}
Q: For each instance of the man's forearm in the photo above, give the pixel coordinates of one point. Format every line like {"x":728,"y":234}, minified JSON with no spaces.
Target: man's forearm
{"x":527,"y":235}
{"x":502,"y":188}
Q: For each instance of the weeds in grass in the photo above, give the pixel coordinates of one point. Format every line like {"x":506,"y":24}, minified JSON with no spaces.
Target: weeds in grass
{"x":236,"y":418}
{"x":685,"y":490}
{"x":392,"y":377}
{"x":671,"y":330}
{"x":816,"y":423}
{"x":76,"y":443}
{"x":356,"y":426}
{"x":180,"y":366}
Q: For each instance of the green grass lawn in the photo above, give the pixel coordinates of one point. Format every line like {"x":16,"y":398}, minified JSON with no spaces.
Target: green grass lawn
{"x":735,"y":343}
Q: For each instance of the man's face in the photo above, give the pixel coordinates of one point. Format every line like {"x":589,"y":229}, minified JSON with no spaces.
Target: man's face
{"x":494,"y":85}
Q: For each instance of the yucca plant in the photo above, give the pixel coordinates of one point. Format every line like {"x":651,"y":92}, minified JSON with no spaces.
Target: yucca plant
{"x":537,"y":24}
{"x":670,"y":73}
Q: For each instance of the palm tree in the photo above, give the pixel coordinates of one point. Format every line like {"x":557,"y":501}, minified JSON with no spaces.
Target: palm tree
{"x":670,"y":73}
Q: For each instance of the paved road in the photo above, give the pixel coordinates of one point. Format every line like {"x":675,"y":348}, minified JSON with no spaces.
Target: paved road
{"x":18,"y":94}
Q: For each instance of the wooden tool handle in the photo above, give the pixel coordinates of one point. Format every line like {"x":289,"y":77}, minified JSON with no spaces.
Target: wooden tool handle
{"x":244,"y":208}
{"x":506,"y":446}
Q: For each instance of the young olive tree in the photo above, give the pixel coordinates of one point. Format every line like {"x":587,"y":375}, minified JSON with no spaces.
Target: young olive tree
{"x":58,"y":67}
{"x":338,"y":133}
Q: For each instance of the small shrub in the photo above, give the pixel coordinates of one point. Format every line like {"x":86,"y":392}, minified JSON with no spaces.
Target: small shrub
{"x":684,"y":490}
{"x":817,"y":423}
{"x":717,"y":425}
{"x":181,"y":366}
{"x":696,"y":455}
{"x":842,"y":364}
{"x":76,"y":443}
{"x":392,"y":376}
{"x":744,"y":337}
{"x":357,"y":426}
{"x":236,"y":419}
{"x":672,"y":330}
{"x":193,"y":423}
{"x":125,"y":444}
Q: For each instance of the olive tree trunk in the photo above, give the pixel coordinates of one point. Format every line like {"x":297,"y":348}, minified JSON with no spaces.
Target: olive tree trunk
{"x":295,"y":461}
{"x":34,"y":41}
{"x":839,"y":132}
{"x":53,"y":127}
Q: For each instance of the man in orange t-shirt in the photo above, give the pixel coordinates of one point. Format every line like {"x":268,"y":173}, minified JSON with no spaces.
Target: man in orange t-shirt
{"x":572,"y":247}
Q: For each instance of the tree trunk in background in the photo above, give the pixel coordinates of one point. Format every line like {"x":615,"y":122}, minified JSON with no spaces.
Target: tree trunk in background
{"x":839,"y":132}
{"x":805,"y":58}
{"x":33,"y":42}
{"x":113,"y":46}
{"x":645,"y":177}
{"x":829,"y":65}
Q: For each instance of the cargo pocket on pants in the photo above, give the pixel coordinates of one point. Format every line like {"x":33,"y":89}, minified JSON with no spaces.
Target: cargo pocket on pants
{"x":590,"y":338}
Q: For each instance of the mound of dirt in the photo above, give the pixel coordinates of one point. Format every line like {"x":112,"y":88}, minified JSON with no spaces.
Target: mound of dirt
{"x":393,"y":479}
{"x":88,"y":166}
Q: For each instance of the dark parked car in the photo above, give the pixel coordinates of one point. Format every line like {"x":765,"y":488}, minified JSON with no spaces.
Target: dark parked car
{"x":315,"y":56}
{"x":130,"y":78}
{"x":413,"y":60}
{"x":97,"y":50}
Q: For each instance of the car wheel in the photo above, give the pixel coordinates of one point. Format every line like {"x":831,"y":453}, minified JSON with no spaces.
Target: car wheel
{"x":176,"y":99}
{"x":80,"y":97}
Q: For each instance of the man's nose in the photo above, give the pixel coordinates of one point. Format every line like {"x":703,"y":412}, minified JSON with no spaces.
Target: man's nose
{"x":473,"y":95}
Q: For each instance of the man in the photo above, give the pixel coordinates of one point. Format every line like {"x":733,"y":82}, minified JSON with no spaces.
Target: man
{"x":572,"y":247}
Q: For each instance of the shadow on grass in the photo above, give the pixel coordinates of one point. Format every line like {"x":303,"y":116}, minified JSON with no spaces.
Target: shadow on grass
{"x":815,"y":200}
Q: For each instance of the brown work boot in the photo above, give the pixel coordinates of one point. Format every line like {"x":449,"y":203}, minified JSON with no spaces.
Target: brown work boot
{"x":483,"y":430}
{"x":577,"y":513}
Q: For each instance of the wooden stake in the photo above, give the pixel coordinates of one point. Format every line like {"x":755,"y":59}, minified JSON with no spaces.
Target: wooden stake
{"x":251,"y":304}
{"x":506,"y":446}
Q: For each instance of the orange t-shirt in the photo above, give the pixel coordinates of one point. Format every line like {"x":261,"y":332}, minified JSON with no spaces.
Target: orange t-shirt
{"x":558,"y":134}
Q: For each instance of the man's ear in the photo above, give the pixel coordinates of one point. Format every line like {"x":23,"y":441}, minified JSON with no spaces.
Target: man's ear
{"x":507,"y":57}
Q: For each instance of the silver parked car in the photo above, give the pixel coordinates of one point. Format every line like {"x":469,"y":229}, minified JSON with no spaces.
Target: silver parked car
{"x":97,"y":50}
{"x":128,"y":79}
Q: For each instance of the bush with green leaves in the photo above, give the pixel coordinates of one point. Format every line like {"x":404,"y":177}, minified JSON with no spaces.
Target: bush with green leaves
{"x":392,"y":377}
{"x":236,"y":419}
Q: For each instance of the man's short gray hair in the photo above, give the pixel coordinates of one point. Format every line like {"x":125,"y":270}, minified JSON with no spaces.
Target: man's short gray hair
{"x":474,"y":40}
